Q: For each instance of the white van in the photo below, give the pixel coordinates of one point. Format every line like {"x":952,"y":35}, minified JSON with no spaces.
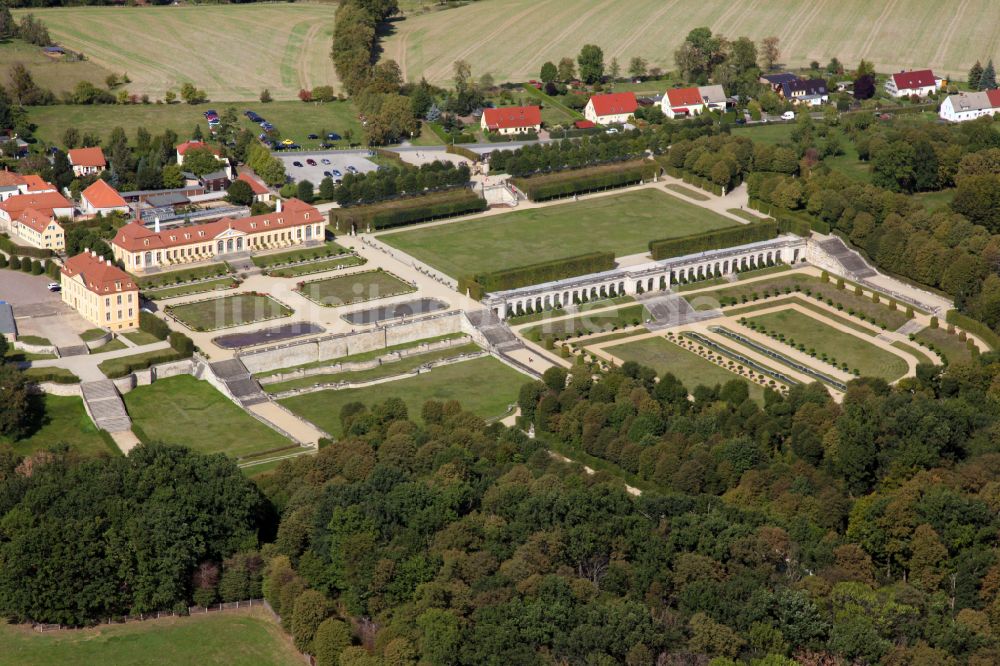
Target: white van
{"x":788,"y":115}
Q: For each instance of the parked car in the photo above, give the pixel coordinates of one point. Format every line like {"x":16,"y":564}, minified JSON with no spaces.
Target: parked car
{"x":611,"y":130}
{"x":211,"y":112}
{"x":325,"y":161}
{"x":311,"y":162}
{"x":294,"y":146}
{"x":336,"y":172}
{"x":333,"y":136}
{"x":327,"y":174}
{"x":54,"y":286}
{"x":741,"y":121}
{"x":313,"y":136}
{"x":296,"y":163}
{"x":287,"y":142}
{"x":351,"y":168}
{"x":788,"y":115}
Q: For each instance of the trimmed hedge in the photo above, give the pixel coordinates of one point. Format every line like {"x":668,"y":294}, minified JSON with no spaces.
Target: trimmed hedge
{"x":127,"y":365}
{"x":389,"y":154}
{"x":10,"y":247}
{"x":792,"y":222}
{"x":713,"y":240}
{"x":407,"y":210}
{"x":181,"y":343}
{"x":464,"y":152}
{"x":547,"y":271}
{"x":153,"y":325}
{"x":54,"y":375}
{"x":977,"y":328}
{"x":590,"y":179}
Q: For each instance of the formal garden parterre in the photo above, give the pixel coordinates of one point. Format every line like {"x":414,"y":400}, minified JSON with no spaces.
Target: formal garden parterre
{"x":237,"y":310}
{"x":354,"y":288}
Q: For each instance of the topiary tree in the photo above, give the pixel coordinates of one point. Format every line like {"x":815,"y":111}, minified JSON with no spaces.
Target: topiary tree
{"x":25,"y":265}
{"x":934,"y":322}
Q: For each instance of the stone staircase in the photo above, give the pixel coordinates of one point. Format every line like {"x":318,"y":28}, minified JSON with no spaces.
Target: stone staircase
{"x":497,"y":334}
{"x":667,"y":310}
{"x":105,"y":406}
{"x":853,"y":263}
{"x":238,"y":381}
{"x":73,"y":350}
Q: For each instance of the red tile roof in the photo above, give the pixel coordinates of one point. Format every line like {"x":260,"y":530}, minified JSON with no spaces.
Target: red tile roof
{"x":35,"y":219}
{"x":135,"y":236}
{"x":43,"y":202}
{"x":255,"y":185}
{"x":684,"y":97}
{"x":918,"y":78}
{"x":102,"y":195}
{"x":614,"y":104}
{"x":88,"y":157}
{"x":194,"y":145}
{"x":994,"y":97}
{"x":37,"y":184}
{"x":512,"y":117}
{"x":98,"y":275}
{"x":583,"y":124}
{"x":11,"y":179}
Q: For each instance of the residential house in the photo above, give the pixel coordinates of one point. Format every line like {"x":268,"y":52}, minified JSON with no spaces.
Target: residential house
{"x":685,"y":102}
{"x":512,"y":119}
{"x":100,"y":197}
{"x":215,"y":181}
{"x":102,"y":293}
{"x":38,"y":229}
{"x":969,"y":106}
{"x":294,"y":223}
{"x":806,"y":91}
{"x":87,"y":161}
{"x":610,"y":109}
{"x":13,"y":183}
{"x":776,"y":81}
{"x":919,"y":82}
{"x":48,"y":203}
{"x":260,"y":191}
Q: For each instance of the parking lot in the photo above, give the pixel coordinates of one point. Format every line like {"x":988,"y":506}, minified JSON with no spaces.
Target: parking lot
{"x":39,"y":311}
{"x":339,"y":160}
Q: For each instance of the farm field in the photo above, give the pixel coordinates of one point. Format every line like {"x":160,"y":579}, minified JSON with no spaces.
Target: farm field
{"x":485,"y":387}
{"x":222,"y":638}
{"x":189,"y":412}
{"x":65,"y":422}
{"x":894,"y":35}
{"x":620,"y":223}
{"x":57,"y":75}
{"x":294,"y":120}
{"x":692,"y":370}
{"x":282,"y":47}
{"x":814,"y":334}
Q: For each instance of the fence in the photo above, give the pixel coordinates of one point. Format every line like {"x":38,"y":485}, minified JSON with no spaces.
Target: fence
{"x":155,"y":615}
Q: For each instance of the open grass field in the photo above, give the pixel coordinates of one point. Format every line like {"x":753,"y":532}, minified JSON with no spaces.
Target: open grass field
{"x":57,"y":75}
{"x":896,"y":34}
{"x":355,"y":288}
{"x":845,"y":348}
{"x":663,"y":356}
{"x":65,"y":422}
{"x":294,"y":120}
{"x":484,"y":386}
{"x":230,"y":51}
{"x":236,"y":310}
{"x":186,"y":411}
{"x":220,"y":639}
{"x":954,"y":350}
{"x":620,"y":223}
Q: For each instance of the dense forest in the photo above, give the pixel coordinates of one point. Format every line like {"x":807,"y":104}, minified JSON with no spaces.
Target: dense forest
{"x":797,"y":529}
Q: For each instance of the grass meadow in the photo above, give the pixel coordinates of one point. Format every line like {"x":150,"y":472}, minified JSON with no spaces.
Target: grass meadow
{"x":65,"y":422}
{"x":620,"y":223}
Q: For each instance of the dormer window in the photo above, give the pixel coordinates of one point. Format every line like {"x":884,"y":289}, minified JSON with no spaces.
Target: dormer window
{"x":281,"y":220}
{"x":253,"y":225}
{"x":307,"y":216}
{"x":146,"y":242}
{"x":201,"y":233}
{"x":186,"y":236}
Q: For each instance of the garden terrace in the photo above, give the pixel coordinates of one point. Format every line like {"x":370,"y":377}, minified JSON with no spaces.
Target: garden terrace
{"x":215,"y":313}
{"x":355,"y":288}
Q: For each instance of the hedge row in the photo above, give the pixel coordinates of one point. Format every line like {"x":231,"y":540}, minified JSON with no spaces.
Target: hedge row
{"x":143,"y":361}
{"x":10,"y":247}
{"x":153,"y":325}
{"x":512,"y":278}
{"x":578,"y":181}
{"x":689,"y":178}
{"x":978,"y":328}
{"x":389,"y":154}
{"x":799,"y":224}
{"x":714,"y":240}
{"x":407,"y":210}
{"x":464,"y":152}
{"x":54,"y":375}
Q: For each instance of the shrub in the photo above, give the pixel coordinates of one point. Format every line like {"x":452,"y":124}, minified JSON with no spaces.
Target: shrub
{"x":181,"y":343}
{"x":151,"y":324}
{"x":824,"y":276}
{"x":36,"y":267}
{"x":857,"y":290}
{"x":512,"y":278}
{"x":934,"y":322}
{"x":25,"y":265}
{"x":3,"y":261}
{"x":710,"y":240}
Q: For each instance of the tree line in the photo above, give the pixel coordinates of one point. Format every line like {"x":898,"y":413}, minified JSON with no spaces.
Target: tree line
{"x":390,"y":182}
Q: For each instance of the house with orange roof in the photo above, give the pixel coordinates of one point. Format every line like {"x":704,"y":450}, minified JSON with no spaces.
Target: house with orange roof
{"x":184,"y":148}
{"x":140,"y":248}
{"x":87,"y":161}
{"x":100,"y":197}
{"x":38,"y":229}
{"x":13,"y":183}
{"x":259,"y":189}
{"x":512,"y":119}
{"x":52,"y":204}
{"x":611,"y":109}
{"x":687,"y":102}
{"x":102,"y":293}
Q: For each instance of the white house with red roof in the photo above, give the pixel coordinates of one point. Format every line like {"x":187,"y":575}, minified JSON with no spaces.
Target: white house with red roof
{"x":140,"y":248}
{"x":102,"y":293}
{"x":49,"y":203}
{"x":919,"y":82}
{"x":687,"y":102}
{"x":87,"y":161}
{"x":969,"y":106}
{"x":13,"y":183}
{"x":100,"y":197}
{"x":611,"y":109}
{"x":512,"y":119}
{"x":38,"y":229}
{"x":260,"y":191}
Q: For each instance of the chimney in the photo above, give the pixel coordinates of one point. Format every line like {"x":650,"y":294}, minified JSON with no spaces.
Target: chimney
{"x":109,"y":262}
{"x":156,"y":224}
{"x":278,"y":208}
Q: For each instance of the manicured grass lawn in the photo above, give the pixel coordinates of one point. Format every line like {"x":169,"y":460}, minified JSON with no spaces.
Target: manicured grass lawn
{"x":770,"y":133}
{"x":940,"y":200}
{"x":33,"y":340}
{"x":230,"y":638}
{"x":303,"y":254}
{"x":47,"y":374}
{"x":621,"y":223}
{"x":484,"y":386}
{"x":228,"y":311}
{"x":186,"y":411}
{"x":92,"y":334}
{"x":355,"y":288}
{"x":916,"y":352}
{"x":182,"y":275}
{"x":953,"y":349}
{"x":346,"y":261}
{"x":110,"y":345}
{"x":588,"y":323}
{"x":746,"y":215}
{"x":385,"y":370}
{"x":65,"y":422}
{"x":808,"y":304}
{"x":17,"y":356}
{"x":188,"y":289}
{"x":114,"y":367}
{"x":663,"y":356}
{"x":687,"y":191}
{"x":141,"y":337}
{"x":844,"y":347}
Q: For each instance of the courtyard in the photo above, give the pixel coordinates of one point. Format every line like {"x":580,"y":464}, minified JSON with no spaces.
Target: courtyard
{"x":215,"y":313}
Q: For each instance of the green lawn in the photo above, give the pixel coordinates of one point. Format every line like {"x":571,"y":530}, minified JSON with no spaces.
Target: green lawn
{"x":55,"y":74}
{"x":844,"y":347}
{"x":231,"y":638}
{"x":687,"y":191}
{"x":303,"y":254}
{"x":588,"y":323}
{"x":621,"y":223}
{"x":181,"y":276}
{"x":916,"y":352}
{"x":92,"y":334}
{"x":228,"y":311}
{"x":347,"y":261}
{"x":141,"y":337}
{"x":940,"y":200}
{"x":293,"y":120}
{"x":186,"y":411}
{"x":110,"y":345}
{"x":663,"y":356}
{"x":770,"y":133}
{"x":484,"y":386}
{"x":355,"y":288}
{"x":948,"y":344}
{"x":195,"y":288}
{"x":64,"y":422}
